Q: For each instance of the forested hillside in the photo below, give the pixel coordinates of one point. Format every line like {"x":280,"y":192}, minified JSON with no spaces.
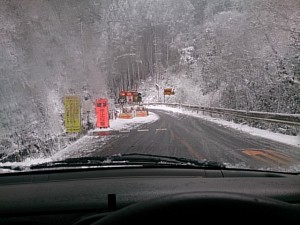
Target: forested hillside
{"x":238,"y":54}
{"x":225,"y":53}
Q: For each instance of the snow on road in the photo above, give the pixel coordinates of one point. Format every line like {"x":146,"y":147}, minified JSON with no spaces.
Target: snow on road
{"x":120,"y":124}
{"x":286,"y":139}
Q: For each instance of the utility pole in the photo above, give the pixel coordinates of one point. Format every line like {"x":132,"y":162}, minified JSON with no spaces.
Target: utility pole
{"x":157,"y":88}
{"x":155,"y":56}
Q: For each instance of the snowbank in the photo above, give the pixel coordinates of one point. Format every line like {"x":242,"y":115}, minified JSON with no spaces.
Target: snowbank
{"x":286,"y":139}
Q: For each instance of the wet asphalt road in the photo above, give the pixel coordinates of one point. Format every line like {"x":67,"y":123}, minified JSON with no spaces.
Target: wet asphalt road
{"x":182,"y":135}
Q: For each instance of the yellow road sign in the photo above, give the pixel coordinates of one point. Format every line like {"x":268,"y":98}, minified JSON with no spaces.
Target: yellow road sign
{"x":72,"y":114}
{"x":169,"y":91}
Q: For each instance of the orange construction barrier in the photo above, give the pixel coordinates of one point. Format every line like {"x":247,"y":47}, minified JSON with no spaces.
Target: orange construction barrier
{"x":102,"y":113}
{"x":141,"y":113}
{"x":125,"y":116}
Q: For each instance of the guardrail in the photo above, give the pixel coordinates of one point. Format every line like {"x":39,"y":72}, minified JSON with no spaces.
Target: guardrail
{"x":288,"y":119}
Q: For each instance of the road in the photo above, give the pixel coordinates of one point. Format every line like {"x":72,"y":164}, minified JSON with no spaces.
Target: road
{"x":192,"y":137}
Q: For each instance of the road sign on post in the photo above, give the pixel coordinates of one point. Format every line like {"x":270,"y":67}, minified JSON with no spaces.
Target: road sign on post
{"x":102,"y":113}
{"x":129,"y":97}
{"x":72,"y":116}
{"x":168,"y":91}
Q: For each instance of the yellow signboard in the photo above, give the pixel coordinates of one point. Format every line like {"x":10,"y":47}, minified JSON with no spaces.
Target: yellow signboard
{"x":72,"y":114}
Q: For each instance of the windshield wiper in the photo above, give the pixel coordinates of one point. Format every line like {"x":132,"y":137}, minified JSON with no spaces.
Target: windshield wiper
{"x":173,"y":159}
{"x":132,"y":159}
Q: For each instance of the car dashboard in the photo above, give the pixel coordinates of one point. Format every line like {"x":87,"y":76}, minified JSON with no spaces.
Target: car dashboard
{"x":85,"y":196}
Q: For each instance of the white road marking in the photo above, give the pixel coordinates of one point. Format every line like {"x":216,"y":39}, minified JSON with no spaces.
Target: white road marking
{"x":124,"y":131}
{"x":143,"y":130}
{"x":159,"y":129}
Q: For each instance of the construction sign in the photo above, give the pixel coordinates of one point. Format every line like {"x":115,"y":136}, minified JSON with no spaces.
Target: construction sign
{"x":72,"y":116}
{"x":102,"y":113}
{"x":130,"y":97}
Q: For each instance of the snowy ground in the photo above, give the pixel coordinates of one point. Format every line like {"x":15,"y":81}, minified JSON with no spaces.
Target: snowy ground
{"x":287,"y":139}
{"x":120,"y":124}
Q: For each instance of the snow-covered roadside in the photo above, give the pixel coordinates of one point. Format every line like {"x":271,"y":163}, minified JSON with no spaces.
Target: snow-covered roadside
{"x":87,"y":143}
{"x":120,"y":124}
{"x":286,"y":139}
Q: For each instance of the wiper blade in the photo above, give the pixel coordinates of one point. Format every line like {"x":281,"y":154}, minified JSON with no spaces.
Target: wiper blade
{"x":130,"y":159}
{"x":173,"y":159}
{"x":73,"y":162}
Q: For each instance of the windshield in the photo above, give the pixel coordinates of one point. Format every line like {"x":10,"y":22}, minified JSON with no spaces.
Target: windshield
{"x":212,"y":84}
